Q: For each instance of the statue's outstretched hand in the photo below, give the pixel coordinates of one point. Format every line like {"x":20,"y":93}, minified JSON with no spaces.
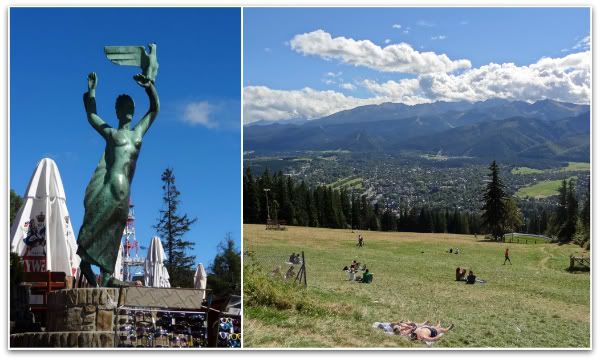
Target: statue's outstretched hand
{"x":142,"y":80}
{"x":92,"y":81}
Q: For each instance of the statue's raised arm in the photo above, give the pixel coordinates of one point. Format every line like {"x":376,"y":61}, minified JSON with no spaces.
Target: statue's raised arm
{"x":89,"y":101}
{"x":146,"y":121}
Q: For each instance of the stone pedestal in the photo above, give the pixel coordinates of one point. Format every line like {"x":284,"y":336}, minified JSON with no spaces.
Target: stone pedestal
{"x":89,"y":318}
{"x":82,"y":309}
{"x":70,"y":339}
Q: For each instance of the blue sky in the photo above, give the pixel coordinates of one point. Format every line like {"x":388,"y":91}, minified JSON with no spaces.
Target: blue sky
{"x":197,"y":132}
{"x":482,"y":36}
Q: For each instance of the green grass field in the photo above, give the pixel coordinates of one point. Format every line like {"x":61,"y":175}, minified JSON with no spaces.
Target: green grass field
{"x":526,"y":170}
{"x":350,"y":182}
{"x":572,"y":166}
{"x":577,"y":166}
{"x":541,"y":189}
{"x":533,"y":303}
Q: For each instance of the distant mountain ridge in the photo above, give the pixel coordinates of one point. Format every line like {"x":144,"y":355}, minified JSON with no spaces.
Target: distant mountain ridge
{"x":455,"y":128}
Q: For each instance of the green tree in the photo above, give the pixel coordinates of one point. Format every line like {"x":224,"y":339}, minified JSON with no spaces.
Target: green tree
{"x":494,"y":208}
{"x":563,"y":222}
{"x":582,"y":233}
{"x":514,"y":217}
{"x":15,"y":204}
{"x":251,"y":199}
{"x":225,"y":271}
{"x":171,"y":228}
{"x":568,"y":224}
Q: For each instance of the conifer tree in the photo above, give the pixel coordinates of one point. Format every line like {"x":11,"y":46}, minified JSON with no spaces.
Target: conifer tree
{"x":225,"y":271}
{"x":171,"y":227}
{"x":494,"y":209}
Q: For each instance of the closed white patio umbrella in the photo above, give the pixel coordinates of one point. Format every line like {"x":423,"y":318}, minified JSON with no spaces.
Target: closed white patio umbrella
{"x":155,"y":271}
{"x":200,"y":279}
{"x":118,"y":274}
{"x":42,"y":233}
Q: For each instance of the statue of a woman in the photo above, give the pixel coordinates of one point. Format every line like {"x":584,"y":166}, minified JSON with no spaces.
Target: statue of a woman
{"x":107,"y":195}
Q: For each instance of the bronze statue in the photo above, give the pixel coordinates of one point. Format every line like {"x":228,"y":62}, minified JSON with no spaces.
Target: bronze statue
{"x":107,"y":194}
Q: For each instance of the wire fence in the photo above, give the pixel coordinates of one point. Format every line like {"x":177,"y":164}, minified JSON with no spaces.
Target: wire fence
{"x":288,"y":268}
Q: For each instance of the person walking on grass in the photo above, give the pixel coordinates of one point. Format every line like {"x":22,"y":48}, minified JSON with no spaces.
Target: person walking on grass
{"x":506,"y":257}
{"x":360,"y":241}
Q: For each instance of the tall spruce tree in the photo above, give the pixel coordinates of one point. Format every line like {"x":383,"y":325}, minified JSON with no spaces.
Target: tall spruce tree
{"x":568,"y":224}
{"x":582,"y":233}
{"x":171,"y":227}
{"x":494,"y":209}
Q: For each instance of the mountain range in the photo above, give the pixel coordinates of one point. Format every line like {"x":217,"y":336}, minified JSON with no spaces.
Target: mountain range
{"x":495,"y":128}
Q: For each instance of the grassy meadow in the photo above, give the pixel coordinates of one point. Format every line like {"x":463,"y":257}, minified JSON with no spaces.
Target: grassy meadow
{"x":571,"y":166}
{"x":533,"y":303}
{"x":542,"y":189}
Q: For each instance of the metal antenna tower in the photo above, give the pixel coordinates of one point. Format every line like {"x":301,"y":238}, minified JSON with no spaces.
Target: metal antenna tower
{"x":133,"y":265}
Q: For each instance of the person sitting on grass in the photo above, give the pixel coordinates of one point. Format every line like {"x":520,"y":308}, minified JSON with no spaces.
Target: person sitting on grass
{"x":351,"y":273}
{"x":471,"y":277}
{"x":277,"y":272}
{"x":460,"y":274}
{"x":290,"y":273}
{"x":367,"y":277}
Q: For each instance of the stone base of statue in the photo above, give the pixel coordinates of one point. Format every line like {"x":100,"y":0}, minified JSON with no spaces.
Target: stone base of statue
{"x":101,"y":317}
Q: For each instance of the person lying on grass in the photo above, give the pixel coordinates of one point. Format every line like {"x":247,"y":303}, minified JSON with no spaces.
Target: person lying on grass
{"x":402,"y":327}
{"x":429,"y":333}
{"x":415,"y":331}
{"x":405,"y":328}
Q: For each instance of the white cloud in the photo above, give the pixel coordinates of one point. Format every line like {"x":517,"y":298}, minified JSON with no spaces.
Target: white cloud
{"x":564,"y":79}
{"x":397,"y":26}
{"x":425,"y":23}
{"x":263,"y":103}
{"x":348,"y":86}
{"x":334,"y":74}
{"x":267,"y":49}
{"x":392,"y":58}
{"x":464,"y":22}
{"x":438,"y":37}
{"x":387,"y":41}
{"x":198,"y":113}
{"x":582,"y":44}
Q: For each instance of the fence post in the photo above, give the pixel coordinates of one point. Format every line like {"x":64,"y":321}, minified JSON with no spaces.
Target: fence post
{"x":304,"y":267}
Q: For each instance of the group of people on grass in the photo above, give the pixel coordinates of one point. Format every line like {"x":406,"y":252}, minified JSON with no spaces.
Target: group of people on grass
{"x":354,"y":268}
{"x":470,"y":278}
{"x":415,"y":331}
{"x":294,"y":259}
{"x":461,"y":275}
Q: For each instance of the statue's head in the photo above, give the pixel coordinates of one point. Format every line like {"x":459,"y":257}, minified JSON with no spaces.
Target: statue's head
{"x":125,"y":108}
